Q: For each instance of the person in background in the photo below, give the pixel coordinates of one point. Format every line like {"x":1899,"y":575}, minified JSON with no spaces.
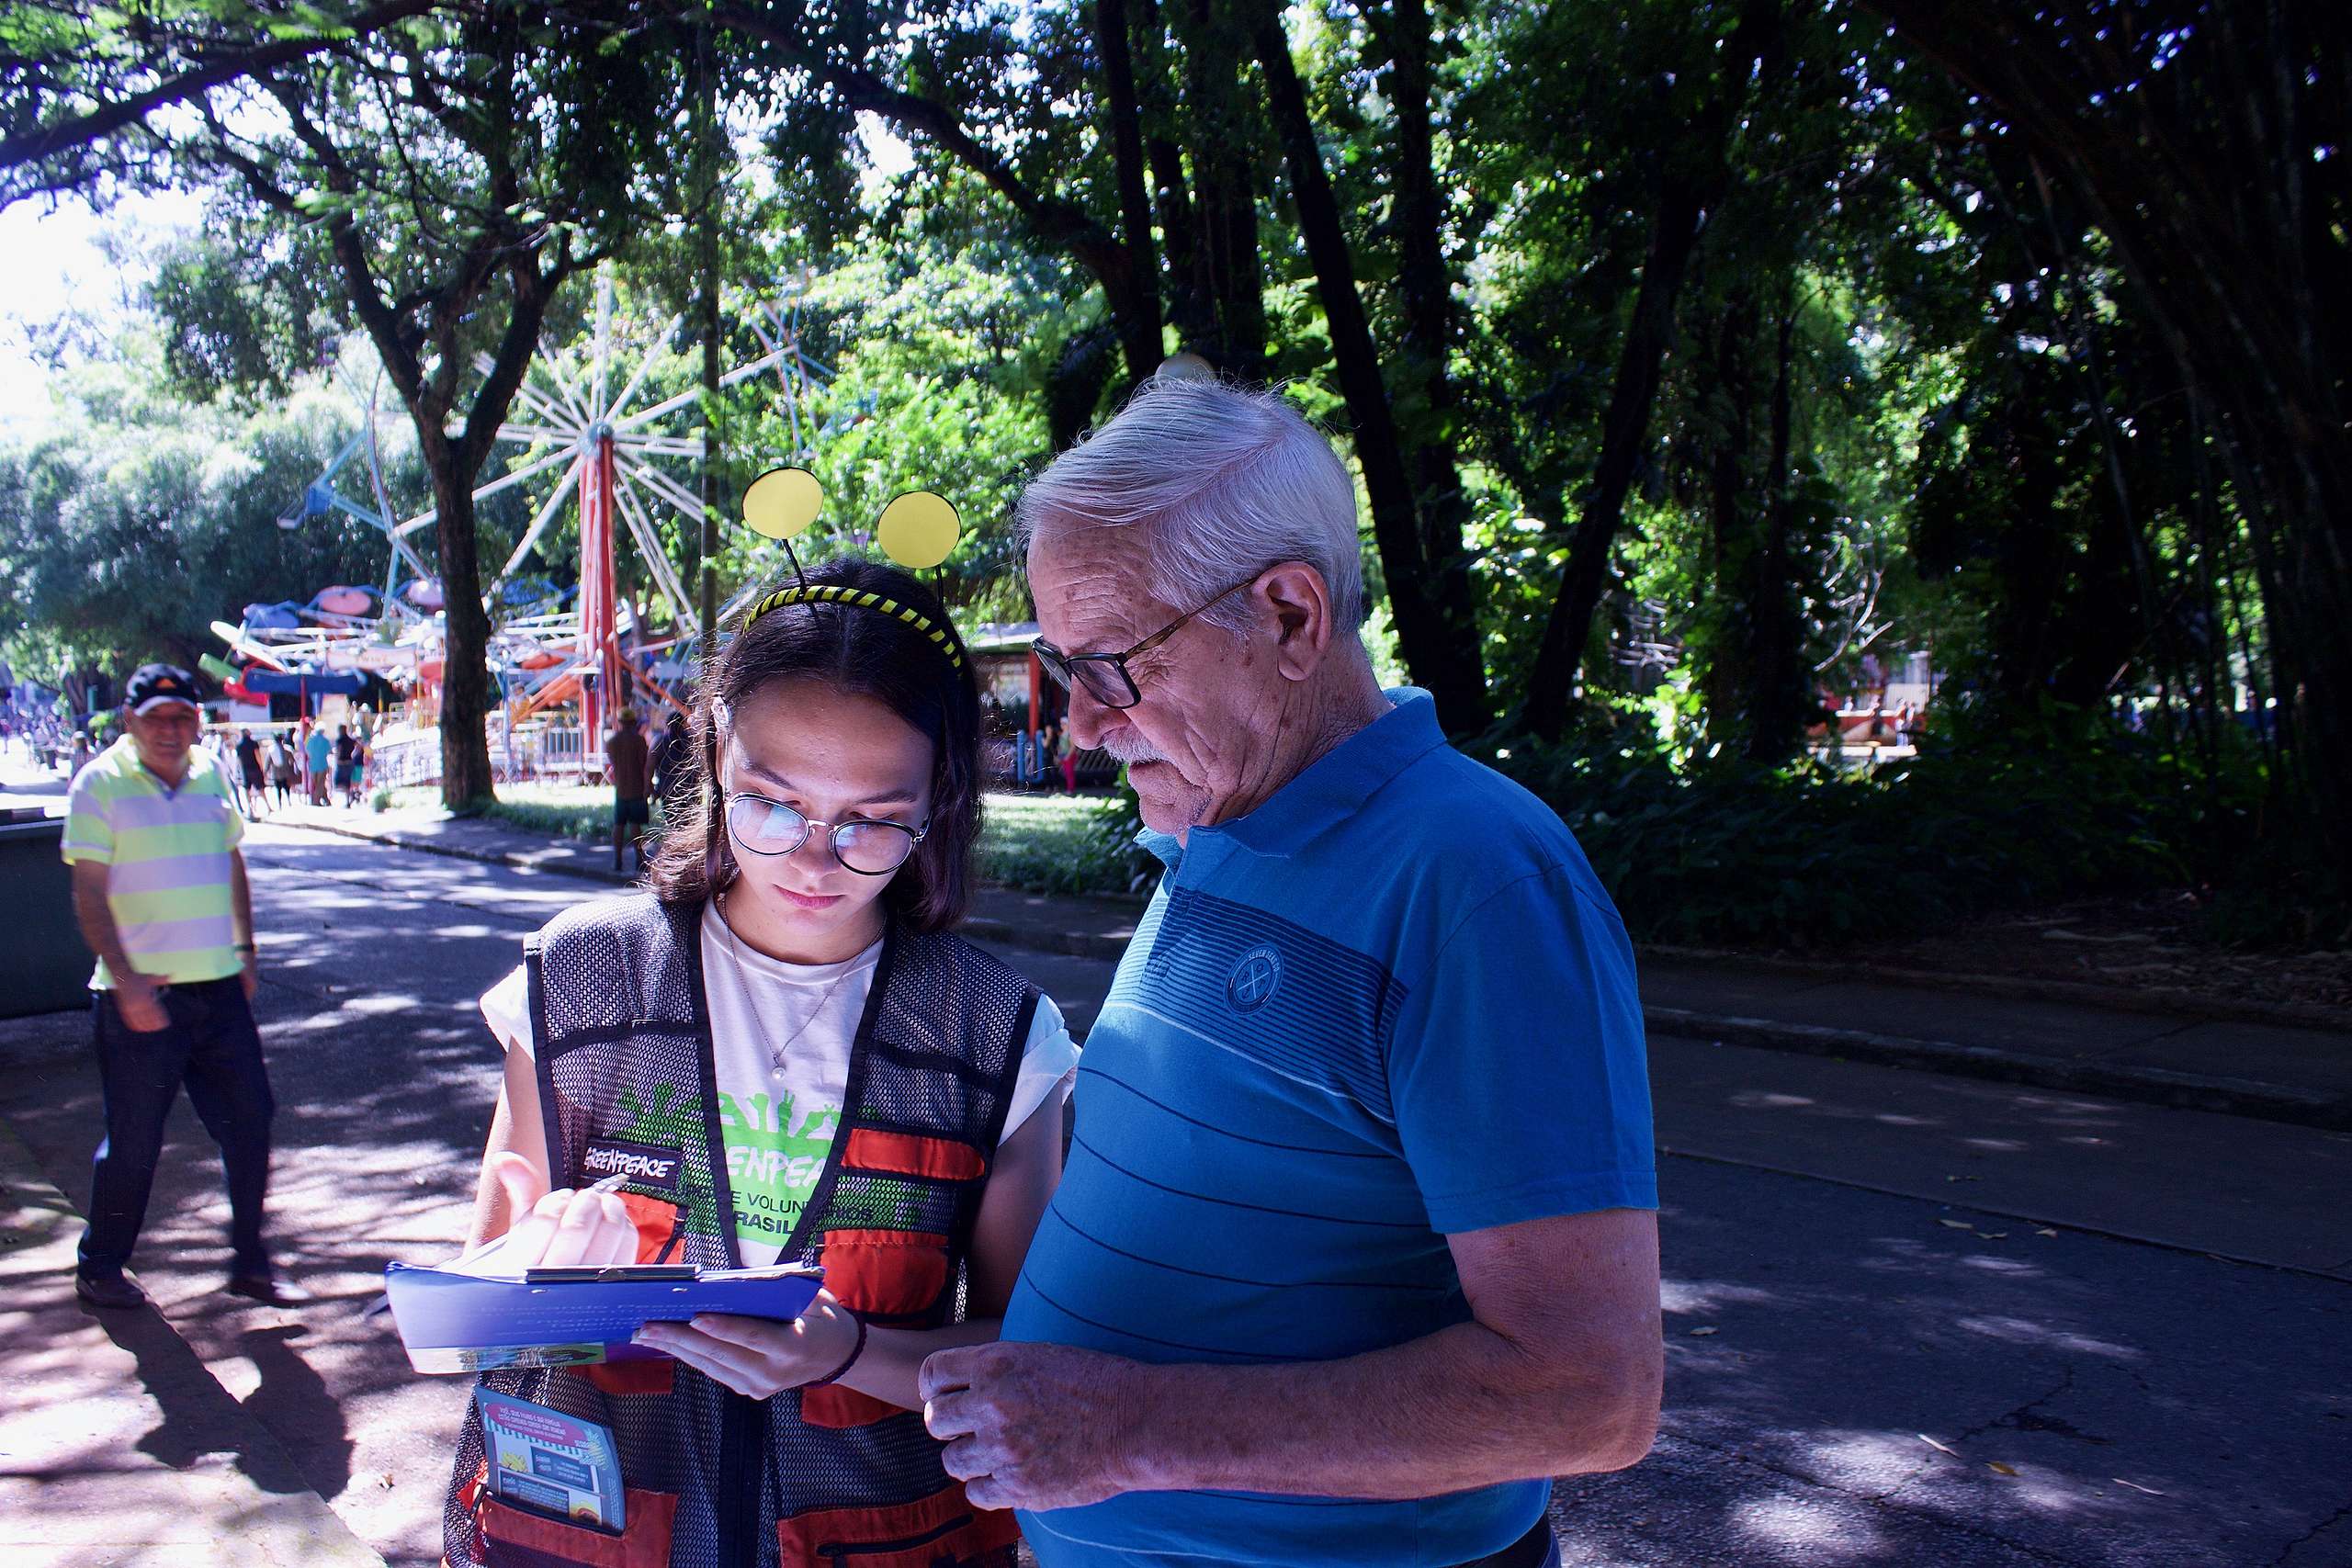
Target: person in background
{"x":316,"y":748}
{"x":249,"y":769}
{"x":346,"y":765}
{"x":224,"y":757}
{"x":671,"y":755}
{"x":160,"y":892}
{"x":628,"y":763}
{"x":283,"y":770}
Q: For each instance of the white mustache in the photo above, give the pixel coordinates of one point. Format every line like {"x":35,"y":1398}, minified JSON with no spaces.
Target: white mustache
{"x":1131,"y":749}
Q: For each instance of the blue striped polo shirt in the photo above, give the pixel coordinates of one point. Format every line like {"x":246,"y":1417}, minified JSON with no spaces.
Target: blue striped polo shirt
{"x":1390,"y":1005}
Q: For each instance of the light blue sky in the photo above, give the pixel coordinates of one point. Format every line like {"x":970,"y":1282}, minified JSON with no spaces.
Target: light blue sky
{"x":50,"y":262}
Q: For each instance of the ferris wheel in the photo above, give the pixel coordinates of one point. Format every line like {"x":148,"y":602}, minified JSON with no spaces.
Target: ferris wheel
{"x":586,"y":436}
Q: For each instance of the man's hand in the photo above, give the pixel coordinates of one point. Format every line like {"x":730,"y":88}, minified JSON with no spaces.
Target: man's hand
{"x":755,"y":1356}
{"x":139,"y":1001}
{"x":250,"y":976}
{"x":1034,"y":1426}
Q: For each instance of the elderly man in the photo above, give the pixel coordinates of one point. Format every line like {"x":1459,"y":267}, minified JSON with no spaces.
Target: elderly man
{"x":1357,"y":1243}
{"x":160,"y":890}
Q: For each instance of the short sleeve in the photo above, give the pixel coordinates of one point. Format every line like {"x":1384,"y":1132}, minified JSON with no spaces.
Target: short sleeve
{"x":1518,"y":1070}
{"x":89,"y":835}
{"x":507,"y":1007}
{"x":1047,"y":1061}
{"x":233,"y":819}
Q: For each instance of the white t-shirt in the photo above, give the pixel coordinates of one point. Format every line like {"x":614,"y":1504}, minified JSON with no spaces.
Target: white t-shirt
{"x":781,"y":1035}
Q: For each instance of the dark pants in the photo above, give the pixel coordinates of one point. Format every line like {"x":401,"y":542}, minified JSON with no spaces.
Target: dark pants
{"x":212,"y":1045}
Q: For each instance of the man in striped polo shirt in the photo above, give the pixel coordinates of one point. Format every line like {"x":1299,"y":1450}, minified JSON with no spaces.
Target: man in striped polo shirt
{"x":1357,"y":1243}
{"x":159,"y":888}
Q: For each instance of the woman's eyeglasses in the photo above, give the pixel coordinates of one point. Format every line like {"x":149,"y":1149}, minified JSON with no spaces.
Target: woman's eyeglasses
{"x":767,"y":827}
{"x":1105,"y":676}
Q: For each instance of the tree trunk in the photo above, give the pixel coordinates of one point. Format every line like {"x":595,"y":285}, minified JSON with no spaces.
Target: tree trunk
{"x":1440,"y":656}
{"x":1225,"y":187}
{"x":465,"y":666}
{"x":1075,"y":387}
{"x":1139,"y":325}
{"x":1428,"y":411}
{"x":1728,"y":681}
{"x":1191,"y":307}
{"x":1780,"y":698}
{"x":1692,"y":186}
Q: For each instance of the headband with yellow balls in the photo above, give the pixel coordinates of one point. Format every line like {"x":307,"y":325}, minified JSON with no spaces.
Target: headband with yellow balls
{"x":917,"y":530}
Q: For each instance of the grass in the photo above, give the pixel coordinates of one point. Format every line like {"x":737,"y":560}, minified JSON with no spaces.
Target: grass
{"x":1040,"y":843}
{"x":1058,"y":844}
{"x":582,"y":813}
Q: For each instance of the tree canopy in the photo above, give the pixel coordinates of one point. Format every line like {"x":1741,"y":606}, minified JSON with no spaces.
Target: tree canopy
{"x":1697,"y":359}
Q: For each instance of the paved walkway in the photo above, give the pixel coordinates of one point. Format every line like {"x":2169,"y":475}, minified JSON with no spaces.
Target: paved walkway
{"x":123,"y":1448}
{"x":2112,"y":1043}
{"x":117,"y":1445}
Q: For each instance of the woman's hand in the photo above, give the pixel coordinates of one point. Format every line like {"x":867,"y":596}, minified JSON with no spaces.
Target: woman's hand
{"x":755,"y":1355}
{"x":563,"y":1229}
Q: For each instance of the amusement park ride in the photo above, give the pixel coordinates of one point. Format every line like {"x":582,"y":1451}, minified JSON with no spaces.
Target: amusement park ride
{"x":585,"y":434}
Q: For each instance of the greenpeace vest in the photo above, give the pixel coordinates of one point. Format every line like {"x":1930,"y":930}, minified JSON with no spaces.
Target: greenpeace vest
{"x":811,"y":1478}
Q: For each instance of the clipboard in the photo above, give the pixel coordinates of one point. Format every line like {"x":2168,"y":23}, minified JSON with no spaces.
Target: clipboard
{"x":452,"y":1322}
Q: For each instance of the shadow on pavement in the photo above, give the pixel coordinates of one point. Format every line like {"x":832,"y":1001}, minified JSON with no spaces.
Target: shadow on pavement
{"x":195,"y":1406}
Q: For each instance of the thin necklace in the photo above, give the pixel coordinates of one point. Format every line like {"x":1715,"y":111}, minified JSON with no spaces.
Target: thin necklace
{"x":740,"y":968}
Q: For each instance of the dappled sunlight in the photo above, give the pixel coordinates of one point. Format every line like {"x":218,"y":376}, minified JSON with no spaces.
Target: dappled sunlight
{"x":2019,"y":1331}
{"x":1699,"y":1296}
{"x":1762,"y":1099}
{"x":1818,"y":1531}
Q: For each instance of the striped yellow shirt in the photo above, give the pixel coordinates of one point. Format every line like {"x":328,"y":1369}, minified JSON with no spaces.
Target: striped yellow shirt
{"x":167,"y":858}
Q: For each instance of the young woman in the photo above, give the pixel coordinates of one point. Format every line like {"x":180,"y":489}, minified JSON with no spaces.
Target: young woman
{"x":789,"y":1057}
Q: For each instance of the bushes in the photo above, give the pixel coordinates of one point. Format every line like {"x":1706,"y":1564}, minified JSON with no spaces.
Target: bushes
{"x":1063,"y":844}
{"x":2060,"y":807}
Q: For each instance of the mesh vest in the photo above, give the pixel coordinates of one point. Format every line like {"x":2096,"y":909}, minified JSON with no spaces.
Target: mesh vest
{"x":811,"y":1478}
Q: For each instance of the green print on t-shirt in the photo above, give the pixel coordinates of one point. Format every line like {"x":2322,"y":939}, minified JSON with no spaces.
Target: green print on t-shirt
{"x":773,"y":1159}
{"x":674,"y":1122}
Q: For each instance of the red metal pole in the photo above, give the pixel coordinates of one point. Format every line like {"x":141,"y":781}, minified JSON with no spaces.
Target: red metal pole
{"x":598,"y":628}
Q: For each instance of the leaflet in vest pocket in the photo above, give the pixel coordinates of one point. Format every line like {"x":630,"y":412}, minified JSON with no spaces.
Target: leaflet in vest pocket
{"x":515,"y":1538}
{"x":943,"y":1529}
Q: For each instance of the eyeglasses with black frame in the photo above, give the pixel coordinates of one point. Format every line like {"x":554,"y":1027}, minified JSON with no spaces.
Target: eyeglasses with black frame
{"x":865,"y":845}
{"x":1106,"y":676}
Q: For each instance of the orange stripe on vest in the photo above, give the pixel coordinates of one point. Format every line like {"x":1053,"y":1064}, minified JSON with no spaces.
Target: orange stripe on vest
{"x":906,"y":1154}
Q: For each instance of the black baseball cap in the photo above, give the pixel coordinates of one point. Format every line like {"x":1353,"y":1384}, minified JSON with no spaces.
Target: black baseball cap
{"x":153,"y":684}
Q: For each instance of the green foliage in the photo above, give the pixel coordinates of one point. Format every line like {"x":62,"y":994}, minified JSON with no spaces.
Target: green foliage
{"x":2058,"y":806}
{"x":1053,"y":843}
{"x":138,"y":490}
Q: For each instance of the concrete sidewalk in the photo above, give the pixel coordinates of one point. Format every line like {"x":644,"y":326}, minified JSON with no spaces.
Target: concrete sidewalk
{"x":2082,"y":1039}
{"x":117,"y":1444}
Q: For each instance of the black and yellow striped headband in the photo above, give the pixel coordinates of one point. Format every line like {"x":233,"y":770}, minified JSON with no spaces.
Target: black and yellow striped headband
{"x":804,"y":593}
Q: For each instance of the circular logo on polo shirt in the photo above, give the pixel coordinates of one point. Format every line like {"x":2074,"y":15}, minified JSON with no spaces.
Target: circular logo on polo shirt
{"x":1254,"y":979}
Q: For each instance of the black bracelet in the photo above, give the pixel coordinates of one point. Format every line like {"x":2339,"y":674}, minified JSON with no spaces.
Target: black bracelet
{"x":854,"y":1353}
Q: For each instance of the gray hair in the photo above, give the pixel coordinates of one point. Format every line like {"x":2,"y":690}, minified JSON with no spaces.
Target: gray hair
{"x":1226,"y":481}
